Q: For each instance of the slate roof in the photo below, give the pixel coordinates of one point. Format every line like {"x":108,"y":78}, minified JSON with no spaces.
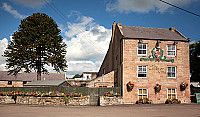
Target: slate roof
{"x":31,"y":76}
{"x":47,"y":83}
{"x":152,"y":33}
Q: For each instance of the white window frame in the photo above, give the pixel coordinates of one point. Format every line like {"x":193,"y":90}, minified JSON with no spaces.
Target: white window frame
{"x":142,"y":70}
{"x":171,"y":92}
{"x":171,"y":50}
{"x":142,"y":49}
{"x":171,"y":72}
{"x":142,"y":92}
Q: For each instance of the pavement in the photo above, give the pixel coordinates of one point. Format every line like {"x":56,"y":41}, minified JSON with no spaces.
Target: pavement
{"x":152,"y":110}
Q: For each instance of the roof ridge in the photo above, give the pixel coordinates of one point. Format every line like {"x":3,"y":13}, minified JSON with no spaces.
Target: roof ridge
{"x":146,"y":27}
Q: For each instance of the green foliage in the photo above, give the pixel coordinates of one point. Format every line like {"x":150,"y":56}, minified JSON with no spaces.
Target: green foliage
{"x":77,"y":76}
{"x":36,"y":43}
{"x":195,"y":61}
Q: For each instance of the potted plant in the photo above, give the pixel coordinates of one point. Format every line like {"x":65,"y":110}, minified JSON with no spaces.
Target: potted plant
{"x":183,"y":86}
{"x":172,"y":101}
{"x":130,"y":86}
{"x":143,"y":101}
{"x":157,"y":88}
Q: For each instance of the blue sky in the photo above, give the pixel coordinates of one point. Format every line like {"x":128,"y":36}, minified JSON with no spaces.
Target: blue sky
{"x":86,"y":24}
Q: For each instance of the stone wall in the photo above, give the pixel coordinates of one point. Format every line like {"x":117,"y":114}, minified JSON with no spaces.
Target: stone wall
{"x":56,"y":101}
{"x":106,"y":80}
{"x":107,"y":101}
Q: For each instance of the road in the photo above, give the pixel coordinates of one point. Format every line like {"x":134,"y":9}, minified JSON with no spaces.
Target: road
{"x":160,"y":110}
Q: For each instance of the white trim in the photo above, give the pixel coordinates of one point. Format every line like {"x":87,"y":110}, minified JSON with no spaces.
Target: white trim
{"x":171,"y":93}
{"x":171,"y":50}
{"x":142,"y":49}
{"x":146,"y":71}
{"x":142,"y":92}
{"x":175,"y":72}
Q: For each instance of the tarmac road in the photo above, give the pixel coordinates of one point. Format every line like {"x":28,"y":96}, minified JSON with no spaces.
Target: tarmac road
{"x":159,"y":110}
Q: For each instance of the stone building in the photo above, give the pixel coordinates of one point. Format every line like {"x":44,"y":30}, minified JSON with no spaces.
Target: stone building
{"x":85,"y":78}
{"x":146,"y":57}
{"x":22,"y":78}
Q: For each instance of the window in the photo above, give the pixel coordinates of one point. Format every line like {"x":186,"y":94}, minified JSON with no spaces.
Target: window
{"x":142,"y":49}
{"x":24,"y":82}
{"x":171,"y":50}
{"x":142,"y":71}
{"x":9,"y":82}
{"x":171,"y":94}
{"x":171,"y":72}
{"x":142,"y":93}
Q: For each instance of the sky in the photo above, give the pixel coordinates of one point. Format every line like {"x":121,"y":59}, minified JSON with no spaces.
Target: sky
{"x":86,"y":24}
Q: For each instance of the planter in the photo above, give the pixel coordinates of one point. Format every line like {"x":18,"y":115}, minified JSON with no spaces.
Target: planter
{"x":144,"y":101}
{"x":172,"y":101}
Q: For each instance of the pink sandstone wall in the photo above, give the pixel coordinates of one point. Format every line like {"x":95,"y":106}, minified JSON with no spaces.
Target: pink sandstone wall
{"x":157,"y":71}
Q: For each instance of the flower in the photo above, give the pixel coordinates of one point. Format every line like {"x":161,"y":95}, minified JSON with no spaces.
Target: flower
{"x":172,"y":101}
{"x":183,"y":86}
{"x":111,"y":94}
{"x":143,"y":101}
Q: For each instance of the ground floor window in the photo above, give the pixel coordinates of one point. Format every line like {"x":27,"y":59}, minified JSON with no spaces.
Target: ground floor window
{"x":171,"y":93}
{"x":142,"y":93}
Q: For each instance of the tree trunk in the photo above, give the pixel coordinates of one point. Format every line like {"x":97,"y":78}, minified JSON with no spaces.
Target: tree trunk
{"x":39,"y":64}
{"x":39,"y":75}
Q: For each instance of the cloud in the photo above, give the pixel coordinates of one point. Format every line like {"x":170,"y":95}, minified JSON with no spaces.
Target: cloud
{"x":87,"y":45}
{"x":143,"y":6}
{"x":3,"y":46}
{"x":32,"y":3}
{"x":10,"y":10}
{"x":88,"y":40}
{"x":77,"y":67}
{"x":192,"y":42}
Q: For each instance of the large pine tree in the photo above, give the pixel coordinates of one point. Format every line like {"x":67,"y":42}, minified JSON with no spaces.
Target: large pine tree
{"x":36,"y":43}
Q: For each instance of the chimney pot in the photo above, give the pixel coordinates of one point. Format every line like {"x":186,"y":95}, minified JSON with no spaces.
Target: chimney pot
{"x":172,"y":29}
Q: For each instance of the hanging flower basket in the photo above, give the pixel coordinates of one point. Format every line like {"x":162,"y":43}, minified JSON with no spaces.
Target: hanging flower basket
{"x":157,"y":88}
{"x":130,"y":85}
{"x":183,"y":86}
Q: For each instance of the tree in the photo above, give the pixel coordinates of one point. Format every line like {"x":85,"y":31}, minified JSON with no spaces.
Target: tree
{"x":36,"y":43}
{"x":77,"y":76}
{"x":195,"y":61}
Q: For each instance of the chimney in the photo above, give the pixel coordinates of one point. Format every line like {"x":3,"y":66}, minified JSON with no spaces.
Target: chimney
{"x":172,"y":29}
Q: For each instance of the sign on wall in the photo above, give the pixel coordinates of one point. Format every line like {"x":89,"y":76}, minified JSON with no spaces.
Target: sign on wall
{"x":157,"y":55}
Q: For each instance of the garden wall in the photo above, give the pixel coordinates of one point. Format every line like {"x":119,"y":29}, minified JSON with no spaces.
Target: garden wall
{"x":56,"y":101}
{"x":107,"y":101}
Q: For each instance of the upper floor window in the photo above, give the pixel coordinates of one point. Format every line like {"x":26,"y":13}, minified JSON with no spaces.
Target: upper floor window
{"x":171,"y":50}
{"x":142,"y":71}
{"x":142,"y":49}
{"x":171,"y":72}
